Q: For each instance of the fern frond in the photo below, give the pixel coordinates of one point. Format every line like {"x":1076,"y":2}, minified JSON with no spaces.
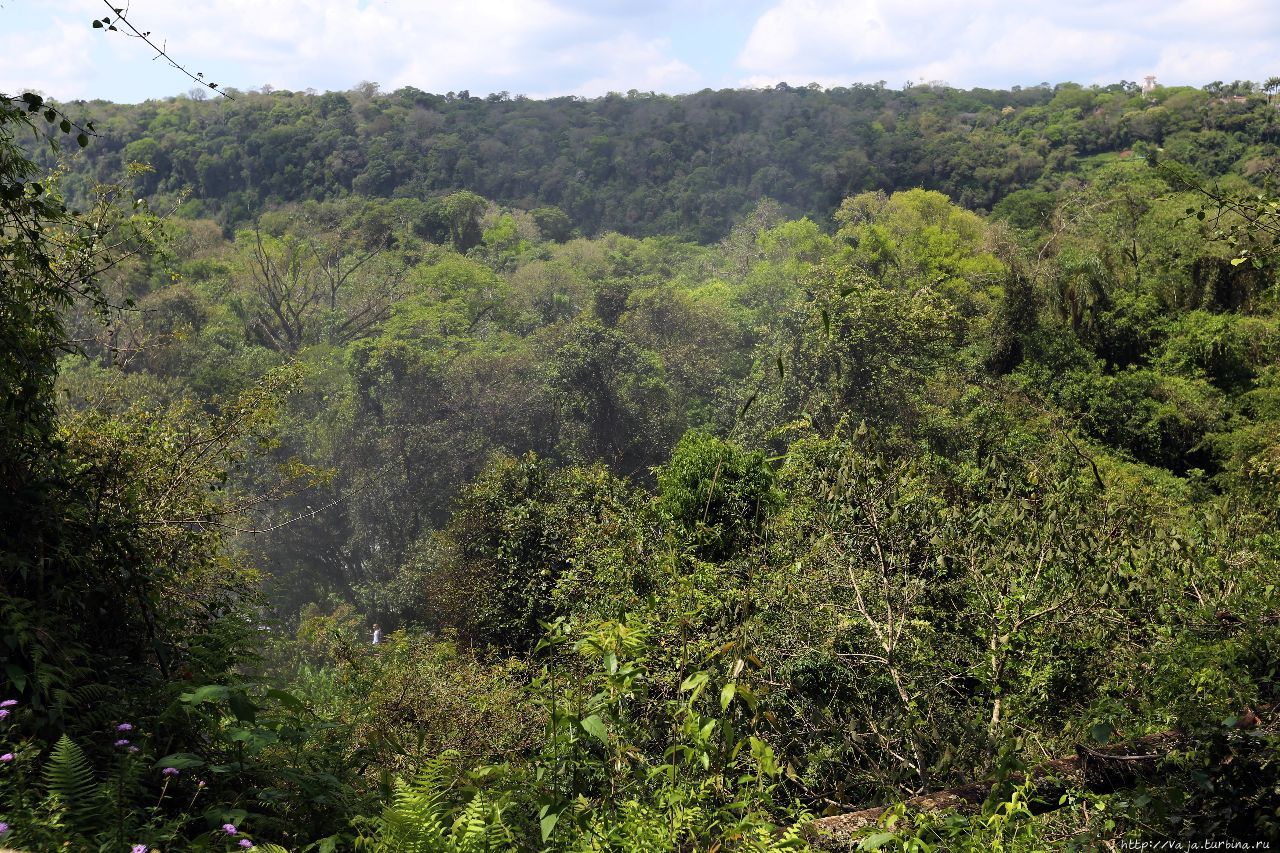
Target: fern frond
{"x":479,"y":828}
{"x":68,"y":773}
{"x":69,"y":780}
{"x":421,"y":820}
{"x":91,"y":705}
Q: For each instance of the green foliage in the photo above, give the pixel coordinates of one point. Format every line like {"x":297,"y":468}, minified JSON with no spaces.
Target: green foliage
{"x":553,"y":223}
{"x":421,"y":818}
{"x":614,"y":392}
{"x":861,"y":348}
{"x":418,"y":697}
{"x":717,"y":494}
{"x":491,"y":573}
{"x":630,"y":758}
{"x":69,"y":804}
{"x":69,"y":781}
{"x":647,"y":164}
{"x":984,"y":490}
{"x":1003,"y":826}
{"x":1227,"y":786}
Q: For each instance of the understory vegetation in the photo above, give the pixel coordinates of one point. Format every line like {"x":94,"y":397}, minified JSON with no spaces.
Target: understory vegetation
{"x":676,"y":539}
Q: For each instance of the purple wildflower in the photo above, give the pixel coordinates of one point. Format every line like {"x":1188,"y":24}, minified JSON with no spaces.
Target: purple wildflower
{"x":122,"y":742}
{"x":133,"y":749}
{"x":246,"y":844}
{"x":6,"y":758}
{"x":139,"y":848}
{"x":169,"y":771}
{"x":125,"y":727}
{"x":4,"y":712}
{"x":229,"y":828}
{"x":8,"y":703}
{"x":200,"y":783}
{"x":4,"y":827}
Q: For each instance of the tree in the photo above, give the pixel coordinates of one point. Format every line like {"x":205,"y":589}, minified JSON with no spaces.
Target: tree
{"x":613,"y":397}
{"x":1271,"y":87}
{"x":718,"y":494}
{"x":462,"y":211}
{"x":860,"y":350}
{"x":306,"y":290}
{"x":553,"y":223}
{"x":111,"y":560}
{"x":515,"y":532}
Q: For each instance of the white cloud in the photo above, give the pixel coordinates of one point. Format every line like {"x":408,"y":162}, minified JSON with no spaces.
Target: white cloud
{"x":296,"y":43}
{"x":552,"y":46}
{"x":588,"y":47}
{"x":628,"y":63}
{"x":52,"y":57}
{"x":1001,"y":42}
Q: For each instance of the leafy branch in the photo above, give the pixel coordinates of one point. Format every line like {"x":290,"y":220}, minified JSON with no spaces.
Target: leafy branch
{"x":1249,"y":225}
{"x":31,"y":103}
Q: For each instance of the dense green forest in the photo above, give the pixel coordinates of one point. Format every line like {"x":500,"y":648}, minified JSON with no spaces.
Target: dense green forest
{"x":707,"y":464}
{"x":643,"y":165}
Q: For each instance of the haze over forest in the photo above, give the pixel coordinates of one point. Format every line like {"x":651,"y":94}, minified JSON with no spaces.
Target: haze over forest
{"x":769,"y":467}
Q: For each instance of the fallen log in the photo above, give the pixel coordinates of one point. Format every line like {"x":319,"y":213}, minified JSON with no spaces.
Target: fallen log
{"x":1104,"y":769}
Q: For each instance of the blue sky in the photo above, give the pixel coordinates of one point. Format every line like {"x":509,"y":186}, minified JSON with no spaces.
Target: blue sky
{"x":545,"y":48}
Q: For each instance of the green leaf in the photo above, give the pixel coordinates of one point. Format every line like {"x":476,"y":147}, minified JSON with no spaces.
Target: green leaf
{"x":594,"y":726}
{"x":181,"y":760}
{"x":68,"y":774}
{"x":16,"y":676}
{"x":208,"y":693}
{"x":726,"y":695}
{"x":286,"y":699}
{"x":695,"y":681}
{"x":64,"y":126}
{"x":82,"y":140}
{"x":548,"y":824}
{"x":1102,"y":732}
{"x":875,"y":842}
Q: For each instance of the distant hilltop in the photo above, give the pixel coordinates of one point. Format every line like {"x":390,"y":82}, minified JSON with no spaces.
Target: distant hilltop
{"x":644,"y":163}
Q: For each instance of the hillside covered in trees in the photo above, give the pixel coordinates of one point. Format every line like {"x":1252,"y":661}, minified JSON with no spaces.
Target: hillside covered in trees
{"x":647,"y":165}
{"x":708,"y":465}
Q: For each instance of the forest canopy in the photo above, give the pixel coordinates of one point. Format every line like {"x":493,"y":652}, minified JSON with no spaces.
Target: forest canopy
{"x":709,"y":467}
{"x":644,"y":164}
